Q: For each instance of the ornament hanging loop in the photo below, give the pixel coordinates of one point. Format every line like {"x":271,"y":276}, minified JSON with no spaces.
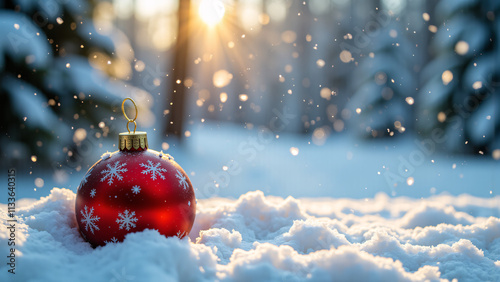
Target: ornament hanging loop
{"x":135,"y":125}
{"x":125,"y":114}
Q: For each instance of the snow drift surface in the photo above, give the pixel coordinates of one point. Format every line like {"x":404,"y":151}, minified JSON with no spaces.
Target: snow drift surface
{"x":268,"y":238}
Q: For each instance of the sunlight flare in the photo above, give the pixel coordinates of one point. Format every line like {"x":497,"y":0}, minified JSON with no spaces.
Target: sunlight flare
{"x":211,"y":12}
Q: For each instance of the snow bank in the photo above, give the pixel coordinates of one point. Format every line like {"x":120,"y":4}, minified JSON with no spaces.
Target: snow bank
{"x":269,"y":238}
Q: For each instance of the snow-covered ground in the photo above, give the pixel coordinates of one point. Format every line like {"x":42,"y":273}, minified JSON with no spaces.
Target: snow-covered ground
{"x":343,"y":166}
{"x":242,"y":160}
{"x":262,"y":238}
{"x":356,"y":214}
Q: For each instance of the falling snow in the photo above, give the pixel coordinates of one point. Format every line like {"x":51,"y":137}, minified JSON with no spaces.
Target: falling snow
{"x":182,"y":180}
{"x":126,"y":220}
{"x":113,"y":172}
{"x":89,"y":219}
{"x":154,"y":169}
{"x":136,"y":189}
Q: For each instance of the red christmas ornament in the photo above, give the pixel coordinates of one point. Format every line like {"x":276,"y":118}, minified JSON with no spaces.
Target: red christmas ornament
{"x":133,"y":189}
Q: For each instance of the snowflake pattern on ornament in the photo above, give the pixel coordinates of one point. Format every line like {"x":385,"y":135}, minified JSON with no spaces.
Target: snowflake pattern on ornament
{"x":86,"y":176}
{"x":182,"y":180}
{"x":126,"y":220}
{"x":113,"y":240}
{"x":92,"y":193}
{"x":136,"y":189}
{"x":113,"y":172}
{"x":154,"y":169}
{"x":89,"y":219}
{"x":180,"y":234}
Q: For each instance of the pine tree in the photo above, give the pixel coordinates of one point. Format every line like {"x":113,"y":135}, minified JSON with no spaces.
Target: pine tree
{"x":460,"y":93}
{"x":55,"y":72}
{"x":385,"y":86}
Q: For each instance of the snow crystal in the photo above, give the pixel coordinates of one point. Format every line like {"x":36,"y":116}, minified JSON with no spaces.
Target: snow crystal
{"x":263,"y":238}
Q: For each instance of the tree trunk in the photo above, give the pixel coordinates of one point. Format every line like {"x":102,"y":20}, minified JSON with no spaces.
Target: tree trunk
{"x":177,"y":103}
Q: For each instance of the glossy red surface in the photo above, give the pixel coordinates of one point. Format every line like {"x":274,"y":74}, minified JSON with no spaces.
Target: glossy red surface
{"x":132,"y":191}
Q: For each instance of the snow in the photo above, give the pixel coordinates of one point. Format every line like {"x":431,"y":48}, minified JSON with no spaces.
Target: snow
{"x":258,"y":237}
{"x":106,"y":156}
{"x":343,"y":167}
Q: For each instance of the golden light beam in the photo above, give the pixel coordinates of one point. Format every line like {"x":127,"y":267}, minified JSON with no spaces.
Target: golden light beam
{"x":211,"y":12}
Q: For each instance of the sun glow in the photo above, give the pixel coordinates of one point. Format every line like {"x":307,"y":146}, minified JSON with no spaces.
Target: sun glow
{"x":211,"y":11}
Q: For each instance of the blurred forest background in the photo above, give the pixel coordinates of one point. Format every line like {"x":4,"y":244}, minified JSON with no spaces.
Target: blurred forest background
{"x":374,"y":70}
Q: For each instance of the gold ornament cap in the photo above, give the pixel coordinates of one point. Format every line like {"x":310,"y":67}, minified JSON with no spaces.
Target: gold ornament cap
{"x":136,"y":141}
{"x":132,"y":141}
